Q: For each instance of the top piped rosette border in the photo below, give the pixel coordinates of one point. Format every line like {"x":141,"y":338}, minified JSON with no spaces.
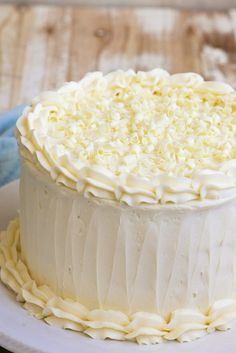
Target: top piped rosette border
{"x":137,"y":138}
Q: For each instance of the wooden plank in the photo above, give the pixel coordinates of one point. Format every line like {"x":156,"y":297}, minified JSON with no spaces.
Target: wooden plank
{"x":41,"y":47}
{"x":181,"y":4}
{"x":8,"y":43}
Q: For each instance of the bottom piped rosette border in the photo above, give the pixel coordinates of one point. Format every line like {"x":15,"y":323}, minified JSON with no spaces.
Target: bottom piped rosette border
{"x":143,"y":327}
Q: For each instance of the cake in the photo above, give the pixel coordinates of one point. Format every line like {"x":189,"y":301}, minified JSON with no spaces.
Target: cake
{"x":127,"y":225}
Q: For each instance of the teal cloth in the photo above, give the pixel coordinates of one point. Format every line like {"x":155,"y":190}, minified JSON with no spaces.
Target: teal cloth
{"x":9,"y":158}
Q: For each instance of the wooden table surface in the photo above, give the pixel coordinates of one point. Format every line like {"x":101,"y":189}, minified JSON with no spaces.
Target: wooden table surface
{"x":43,"y":46}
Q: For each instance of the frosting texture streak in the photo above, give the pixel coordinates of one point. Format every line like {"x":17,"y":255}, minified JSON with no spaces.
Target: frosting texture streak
{"x":143,"y":327}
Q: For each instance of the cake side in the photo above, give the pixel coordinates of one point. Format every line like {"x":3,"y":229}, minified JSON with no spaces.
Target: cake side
{"x":119,"y":272}
{"x":136,"y":138}
{"x":170,"y":269}
{"x":183,"y":325}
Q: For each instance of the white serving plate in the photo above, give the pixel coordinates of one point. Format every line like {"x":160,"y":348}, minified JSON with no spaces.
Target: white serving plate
{"x":21,"y":333}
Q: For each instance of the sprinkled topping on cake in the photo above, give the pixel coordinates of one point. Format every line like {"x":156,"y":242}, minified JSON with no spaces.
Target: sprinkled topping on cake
{"x":144,"y":124}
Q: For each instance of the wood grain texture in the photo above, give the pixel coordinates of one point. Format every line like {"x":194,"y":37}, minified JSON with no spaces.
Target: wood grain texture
{"x":41,"y":47}
{"x":182,"y":4}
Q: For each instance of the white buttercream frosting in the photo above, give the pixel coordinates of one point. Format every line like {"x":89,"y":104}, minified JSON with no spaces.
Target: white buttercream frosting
{"x":146,"y":274}
{"x":139,"y":138}
{"x":143,"y":327}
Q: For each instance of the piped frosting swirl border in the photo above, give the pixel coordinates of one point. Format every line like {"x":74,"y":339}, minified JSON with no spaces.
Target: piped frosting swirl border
{"x":98,"y":182}
{"x":145,"y":328}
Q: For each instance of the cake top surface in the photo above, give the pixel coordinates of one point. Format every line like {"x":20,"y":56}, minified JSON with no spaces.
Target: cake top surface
{"x":144,"y":137}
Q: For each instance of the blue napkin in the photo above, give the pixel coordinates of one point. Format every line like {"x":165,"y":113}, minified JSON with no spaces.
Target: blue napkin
{"x":9,"y":158}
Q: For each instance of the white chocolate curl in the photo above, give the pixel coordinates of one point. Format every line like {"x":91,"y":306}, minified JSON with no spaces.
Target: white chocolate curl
{"x":137,"y":138}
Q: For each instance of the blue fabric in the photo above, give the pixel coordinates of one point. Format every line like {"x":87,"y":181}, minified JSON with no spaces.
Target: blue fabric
{"x":9,"y":158}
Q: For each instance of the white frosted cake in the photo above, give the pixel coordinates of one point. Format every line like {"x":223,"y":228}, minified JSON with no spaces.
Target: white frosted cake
{"x":127,"y":226}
